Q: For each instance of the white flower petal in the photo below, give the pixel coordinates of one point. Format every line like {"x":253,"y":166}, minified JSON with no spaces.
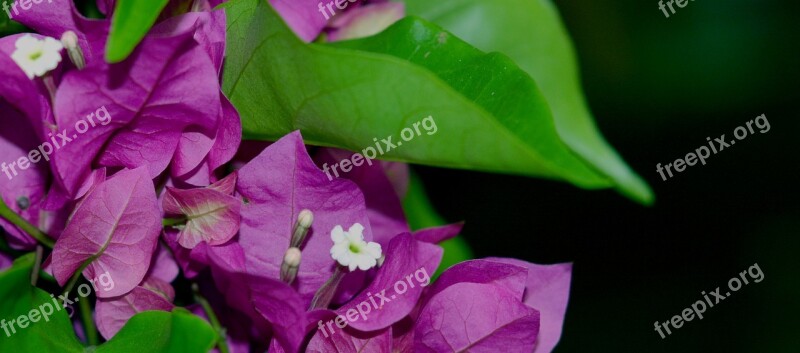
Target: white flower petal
{"x":36,"y":57}
{"x":337,"y":234}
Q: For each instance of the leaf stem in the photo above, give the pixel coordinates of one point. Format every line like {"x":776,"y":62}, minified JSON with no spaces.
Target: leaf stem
{"x":20,"y":222}
{"x":77,"y":275}
{"x":37,"y":265}
{"x":88,"y":322}
{"x":222,"y":343}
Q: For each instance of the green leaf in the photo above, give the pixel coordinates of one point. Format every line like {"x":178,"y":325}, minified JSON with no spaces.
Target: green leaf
{"x":132,"y":19}
{"x":9,"y":26}
{"x":532,"y":34}
{"x":162,"y":332}
{"x":490,"y":115}
{"x":18,"y":298}
{"x":421,"y":214}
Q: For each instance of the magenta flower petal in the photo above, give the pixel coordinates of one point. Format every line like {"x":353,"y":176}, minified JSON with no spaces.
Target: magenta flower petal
{"x":477,"y":318}
{"x":5,"y":261}
{"x":143,"y":115}
{"x":351,"y":341}
{"x":112,"y":313}
{"x":398,"y":175}
{"x":436,"y":235}
{"x":302,"y":16}
{"x":365,"y":21}
{"x":384,"y":209}
{"x":23,"y":191}
{"x":277,"y":185}
{"x":226,"y":185}
{"x":546,"y":290}
{"x":508,"y":276}
{"x":208,"y":28}
{"x":264,"y":300}
{"x":191,"y":261}
{"x":212,"y":217}
{"x":164,"y":267}
{"x":117,"y":223}
{"x":401,"y":280}
{"x":59,"y":16}
{"x":191,"y":150}
{"x":283,"y":308}
{"x":28,"y":97}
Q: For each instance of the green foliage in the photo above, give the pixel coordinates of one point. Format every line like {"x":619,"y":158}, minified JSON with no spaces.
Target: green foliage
{"x":490,"y":114}
{"x":531,"y":33}
{"x":149,"y":331}
{"x":19,"y":298}
{"x":131,"y":21}
{"x":158,"y":331}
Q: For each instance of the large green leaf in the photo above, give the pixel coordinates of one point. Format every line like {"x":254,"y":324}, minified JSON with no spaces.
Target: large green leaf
{"x":162,"y":332}
{"x":19,"y":298}
{"x":132,"y":20}
{"x":489,"y":113}
{"x":532,"y":34}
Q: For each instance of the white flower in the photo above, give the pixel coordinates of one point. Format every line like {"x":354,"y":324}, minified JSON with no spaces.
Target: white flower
{"x":37,"y":56}
{"x":350,"y":249}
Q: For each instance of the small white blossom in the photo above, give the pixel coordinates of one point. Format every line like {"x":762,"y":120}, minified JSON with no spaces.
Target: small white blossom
{"x":37,"y":56}
{"x":350,"y":249}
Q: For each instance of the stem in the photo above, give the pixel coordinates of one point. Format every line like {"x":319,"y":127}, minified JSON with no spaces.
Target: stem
{"x":20,"y":222}
{"x":88,"y":322}
{"x":222,"y":343}
{"x":77,"y":275}
{"x":325,"y":293}
{"x":50,"y":84}
{"x":37,"y":265}
{"x":166,"y":222}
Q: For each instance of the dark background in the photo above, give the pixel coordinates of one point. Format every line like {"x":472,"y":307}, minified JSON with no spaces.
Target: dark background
{"x":658,"y":87}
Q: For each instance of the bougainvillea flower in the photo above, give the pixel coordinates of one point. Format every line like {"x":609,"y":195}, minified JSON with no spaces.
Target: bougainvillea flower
{"x":476,"y":305}
{"x":546,"y":290}
{"x":198,"y":140}
{"x":508,"y":301}
{"x":211,"y":216}
{"x":276,"y":186}
{"x":117,"y":224}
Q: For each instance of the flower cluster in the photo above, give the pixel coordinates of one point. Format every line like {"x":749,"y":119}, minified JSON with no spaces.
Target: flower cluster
{"x":151,"y":196}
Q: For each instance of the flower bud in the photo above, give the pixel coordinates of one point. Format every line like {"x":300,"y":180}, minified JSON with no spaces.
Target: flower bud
{"x":290,"y":265}
{"x":301,"y":227}
{"x":70,"y":41}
